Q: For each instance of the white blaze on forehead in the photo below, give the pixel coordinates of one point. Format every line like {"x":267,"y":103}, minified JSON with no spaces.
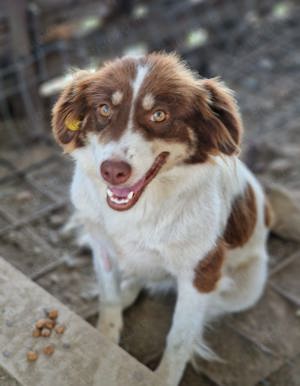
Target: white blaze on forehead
{"x":148,"y":101}
{"x":117,"y":97}
{"x":138,"y":81}
{"x":136,"y":86}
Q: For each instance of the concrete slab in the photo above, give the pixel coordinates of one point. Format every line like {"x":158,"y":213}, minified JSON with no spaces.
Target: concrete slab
{"x":287,"y":281}
{"x":289,"y":374}
{"x":244,"y":362}
{"x":272,"y":317}
{"x":7,"y":380}
{"x":82,"y":356}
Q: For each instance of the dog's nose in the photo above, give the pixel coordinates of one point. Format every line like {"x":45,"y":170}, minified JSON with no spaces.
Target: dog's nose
{"x":115,"y":172}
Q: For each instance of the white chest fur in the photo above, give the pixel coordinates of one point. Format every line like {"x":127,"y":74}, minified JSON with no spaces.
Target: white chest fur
{"x":177,"y":219}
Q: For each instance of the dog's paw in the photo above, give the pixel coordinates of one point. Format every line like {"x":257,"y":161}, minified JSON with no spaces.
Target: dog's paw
{"x":110,"y":323}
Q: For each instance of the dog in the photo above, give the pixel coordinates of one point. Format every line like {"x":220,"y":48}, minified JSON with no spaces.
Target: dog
{"x":164,"y":198}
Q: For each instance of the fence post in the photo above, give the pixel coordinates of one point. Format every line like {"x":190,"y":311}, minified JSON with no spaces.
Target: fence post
{"x":25,"y":71}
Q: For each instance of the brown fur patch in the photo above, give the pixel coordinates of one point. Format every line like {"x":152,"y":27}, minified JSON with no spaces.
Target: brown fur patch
{"x":81,"y":99}
{"x":203,"y":106}
{"x":242,"y":219}
{"x":208,"y":270}
{"x":268,"y":214}
{"x":172,"y":86}
{"x":215,"y":121}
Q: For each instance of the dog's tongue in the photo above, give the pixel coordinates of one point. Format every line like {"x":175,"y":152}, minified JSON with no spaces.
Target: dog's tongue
{"x":123,"y":192}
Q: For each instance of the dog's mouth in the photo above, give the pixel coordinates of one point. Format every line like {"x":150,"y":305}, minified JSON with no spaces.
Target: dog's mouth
{"x":125,"y":198}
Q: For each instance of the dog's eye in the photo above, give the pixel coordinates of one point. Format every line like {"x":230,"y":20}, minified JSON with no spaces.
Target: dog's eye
{"x":105,"y":110}
{"x":158,"y":116}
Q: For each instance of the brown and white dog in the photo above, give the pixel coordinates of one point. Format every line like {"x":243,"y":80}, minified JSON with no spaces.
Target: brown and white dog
{"x":164,"y":198}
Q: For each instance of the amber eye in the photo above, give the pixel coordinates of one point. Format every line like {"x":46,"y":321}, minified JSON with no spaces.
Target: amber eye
{"x":158,"y":116}
{"x":105,"y":110}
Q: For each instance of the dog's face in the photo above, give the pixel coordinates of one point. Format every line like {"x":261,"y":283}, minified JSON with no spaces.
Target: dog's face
{"x":137,"y":118}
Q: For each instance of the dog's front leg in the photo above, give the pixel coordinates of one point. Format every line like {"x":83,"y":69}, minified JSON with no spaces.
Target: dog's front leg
{"x":110,"y":320}
{"x":187,"y":326}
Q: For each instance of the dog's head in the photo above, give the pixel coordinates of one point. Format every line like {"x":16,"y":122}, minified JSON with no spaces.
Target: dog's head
{"x":136,"y":118}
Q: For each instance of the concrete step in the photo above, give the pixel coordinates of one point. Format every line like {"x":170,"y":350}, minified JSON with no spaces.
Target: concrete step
{"x":82,"y":357}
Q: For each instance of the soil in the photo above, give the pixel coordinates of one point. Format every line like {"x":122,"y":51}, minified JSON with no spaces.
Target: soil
{"x":254,"y":49}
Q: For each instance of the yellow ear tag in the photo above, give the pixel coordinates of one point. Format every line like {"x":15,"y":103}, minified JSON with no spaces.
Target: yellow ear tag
{"x":73,"y":124}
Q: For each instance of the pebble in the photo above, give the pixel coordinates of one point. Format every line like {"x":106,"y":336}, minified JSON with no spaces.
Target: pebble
{"x":6,"y":354}
{"x":56,"y":220}
{"x":24,"y":196}
{"x":280,"y":166}
{"x":9,"y":323}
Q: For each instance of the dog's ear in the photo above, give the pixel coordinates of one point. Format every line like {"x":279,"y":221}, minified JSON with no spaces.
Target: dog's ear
{"x":220,"y":126}
{"x":69,"y":113}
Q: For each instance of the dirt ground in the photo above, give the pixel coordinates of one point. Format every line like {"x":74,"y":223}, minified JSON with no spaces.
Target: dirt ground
{"x":260,"y":347}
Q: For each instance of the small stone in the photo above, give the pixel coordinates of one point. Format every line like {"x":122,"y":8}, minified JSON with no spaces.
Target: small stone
{"x":32,"y":356}
{"x":9,"y":323}
{"x":280,"y":166}
{"x":45,"y":332}
{"x":37,"y":250}
{"x":6,"y":354}
{"x":56,"y":220}
{"x":60,"y":329}
{"x":89,"y":294}
{"x":69,"y":261}
{"x":49,"y":350}
{"x":66,"y":346}
{"x":54,"y":278}
{"x":24,"y":196}
{"x":36,"y":333}
{"x":53,"y":314}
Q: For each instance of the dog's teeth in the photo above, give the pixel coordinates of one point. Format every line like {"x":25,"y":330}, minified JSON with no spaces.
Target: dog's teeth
{"x":109,"y":192}
{"x":130,"y":195}
{"x":119,"y":200}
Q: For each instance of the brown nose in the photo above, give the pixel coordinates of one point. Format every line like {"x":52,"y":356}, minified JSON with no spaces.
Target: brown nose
{"x":115,"y":172}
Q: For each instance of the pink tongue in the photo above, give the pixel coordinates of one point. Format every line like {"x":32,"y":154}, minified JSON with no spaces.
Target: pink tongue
{"x":123,"y":192}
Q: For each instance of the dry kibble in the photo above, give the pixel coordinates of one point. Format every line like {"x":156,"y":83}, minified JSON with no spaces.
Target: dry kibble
{"x":45,"y":332}
{"x":32,"y":356}
{"x":36,"y":333}
{"x":48,"y":350}
{"x":49,"y":324}
{"x":53,"y":314}
{"x":41,"y":323}
{"x":60,"y":329}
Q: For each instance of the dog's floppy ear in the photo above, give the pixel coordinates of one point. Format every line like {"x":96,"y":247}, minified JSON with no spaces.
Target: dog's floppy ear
{"x":220,"y":126}
{"x":69,"y":114}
